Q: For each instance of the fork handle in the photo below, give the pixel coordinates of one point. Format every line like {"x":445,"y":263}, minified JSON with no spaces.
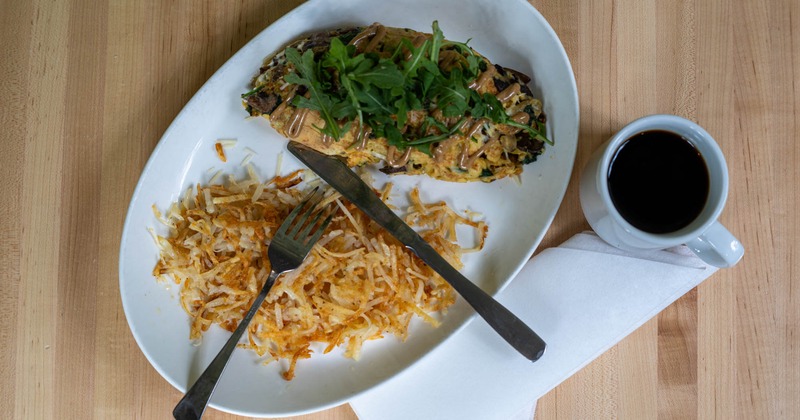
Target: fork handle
{"x":193,"y":404}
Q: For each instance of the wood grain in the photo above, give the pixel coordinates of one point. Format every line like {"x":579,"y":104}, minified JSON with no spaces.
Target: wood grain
{"x":88,"y":87}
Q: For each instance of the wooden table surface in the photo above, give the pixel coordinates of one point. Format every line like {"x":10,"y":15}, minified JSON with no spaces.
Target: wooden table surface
{"x":88,"y":87}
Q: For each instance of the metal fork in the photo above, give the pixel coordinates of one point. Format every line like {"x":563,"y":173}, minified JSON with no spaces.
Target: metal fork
{"x":287,"y":250}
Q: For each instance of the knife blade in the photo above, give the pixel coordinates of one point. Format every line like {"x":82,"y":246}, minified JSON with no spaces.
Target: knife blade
{"x":339,"y":176}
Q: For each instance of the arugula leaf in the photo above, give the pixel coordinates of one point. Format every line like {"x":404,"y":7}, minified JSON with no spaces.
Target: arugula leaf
{"x":343,"y":110}
{"x":430,"y":121}
{"x":303,"y":102}
{"x":401,"y":105}
{"x":383,"y":74}
{"x":478,"y":108}
{"x":438,"y":137}
{"x":494,"y":109}
{"x":306,"y":75}
{"x":426,"y":81}
{"x":338,"y":54}
{"x":411,"y":65}
{"x":339,"y":57}
{"x":436,"y":42}
{"x":394,"y":137}
{"x":373,"y":102}
{"x":452,"y":93}
{"x":537,"y":133}
{"x":473,"y":66}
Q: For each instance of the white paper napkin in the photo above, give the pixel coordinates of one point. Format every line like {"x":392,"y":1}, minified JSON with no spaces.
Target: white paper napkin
{"x":582,"y":298}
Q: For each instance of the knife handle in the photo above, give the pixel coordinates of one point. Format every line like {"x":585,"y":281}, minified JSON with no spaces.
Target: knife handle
{"x":505,"y":323}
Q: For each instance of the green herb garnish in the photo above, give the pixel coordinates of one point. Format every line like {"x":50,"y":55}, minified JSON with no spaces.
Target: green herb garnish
{"x":252,"y":92}
{"x":347,"y":87}
{"x":308,"y":74}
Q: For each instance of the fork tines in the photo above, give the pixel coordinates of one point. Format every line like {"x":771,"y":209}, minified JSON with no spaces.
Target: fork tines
{"x":292,"y":228}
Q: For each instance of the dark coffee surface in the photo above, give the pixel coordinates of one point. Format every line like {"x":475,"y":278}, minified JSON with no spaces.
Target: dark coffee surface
{"x":658,"y":181}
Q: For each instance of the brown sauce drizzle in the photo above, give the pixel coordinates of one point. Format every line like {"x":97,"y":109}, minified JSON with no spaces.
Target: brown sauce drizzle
{"x":521,"y":117}
{"x":375,"y":33}
{"x":476,"y":127}
{"x":395,"y":161}
{"x":483,"y":79}
{"x":364,"y":137}
{"x":470,"y":159}
{"x":379,"y":34}
{"x":448,"y":59}
{"x":282,"y":107}
{"x":417,"y":42}
{"x":465,"y":160}
{"x":296,"y":122}
{"x":438,"y":151}
{"x":508,"y":92}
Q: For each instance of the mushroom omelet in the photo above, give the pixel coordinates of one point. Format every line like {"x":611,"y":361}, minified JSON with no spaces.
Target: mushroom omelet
{"x":413,"y":102}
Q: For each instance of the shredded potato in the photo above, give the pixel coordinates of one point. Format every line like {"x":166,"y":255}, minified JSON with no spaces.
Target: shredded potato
{"x":218,"y":147}
{"x":357,"y":284}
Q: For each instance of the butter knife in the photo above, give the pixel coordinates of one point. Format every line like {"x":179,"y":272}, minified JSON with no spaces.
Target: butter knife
{"x":339,"y":176}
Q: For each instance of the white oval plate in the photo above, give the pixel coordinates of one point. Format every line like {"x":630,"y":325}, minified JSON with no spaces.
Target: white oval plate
{"x":510,"y":33}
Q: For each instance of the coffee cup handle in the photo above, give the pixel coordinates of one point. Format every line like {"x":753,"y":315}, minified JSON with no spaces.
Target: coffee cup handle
{"x":717,"y":246}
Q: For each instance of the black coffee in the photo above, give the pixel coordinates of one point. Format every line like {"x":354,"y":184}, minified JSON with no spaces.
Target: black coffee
{"x":658,"y":181}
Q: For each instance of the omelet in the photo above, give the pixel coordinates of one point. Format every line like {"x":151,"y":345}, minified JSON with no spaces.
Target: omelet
{"x":459,"y":142}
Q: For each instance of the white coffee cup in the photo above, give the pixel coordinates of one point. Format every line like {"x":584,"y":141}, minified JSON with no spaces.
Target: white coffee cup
{"x":705,"y":236}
